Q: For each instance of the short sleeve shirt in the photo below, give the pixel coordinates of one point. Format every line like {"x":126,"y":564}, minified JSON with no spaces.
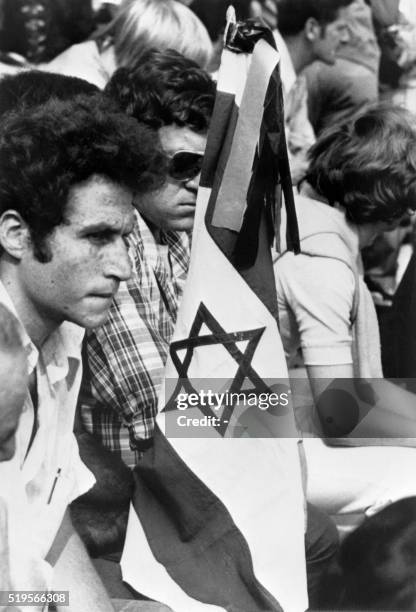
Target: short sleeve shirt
{"x":315,"y":299}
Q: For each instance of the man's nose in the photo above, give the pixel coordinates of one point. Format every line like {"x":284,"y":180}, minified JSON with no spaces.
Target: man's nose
{"x":193,"y":183}
{"x":119,"y":264}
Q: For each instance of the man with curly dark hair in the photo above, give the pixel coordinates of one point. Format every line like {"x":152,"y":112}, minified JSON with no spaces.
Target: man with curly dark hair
{"x":126,"y":356}
{"x":33,"y":87}
{"x":172,"y":95}
{"x":376,"y":563}
{"x":68,"y":171}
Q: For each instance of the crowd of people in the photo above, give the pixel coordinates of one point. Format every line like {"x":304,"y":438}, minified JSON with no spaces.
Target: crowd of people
{"x":105,"y":110}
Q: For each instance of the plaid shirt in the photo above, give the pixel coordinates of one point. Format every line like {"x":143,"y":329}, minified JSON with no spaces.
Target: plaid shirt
{"x":126,"y":357}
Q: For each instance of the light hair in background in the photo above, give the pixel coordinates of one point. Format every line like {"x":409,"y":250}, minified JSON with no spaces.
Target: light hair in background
{"x":162,"y":24}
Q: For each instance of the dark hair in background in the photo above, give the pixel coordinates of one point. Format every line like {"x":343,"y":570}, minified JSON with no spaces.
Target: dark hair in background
{"x":45,"y":150}
{"x":32,"y":87}
{"x":368,"y":165}
{"x":42,"y":29}
{"x":377,"y":563}
{"x":165,"y":88}
{"x":293,"y":14}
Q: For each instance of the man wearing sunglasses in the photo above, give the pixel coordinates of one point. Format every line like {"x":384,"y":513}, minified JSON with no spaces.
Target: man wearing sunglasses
{"x":126,"y":356}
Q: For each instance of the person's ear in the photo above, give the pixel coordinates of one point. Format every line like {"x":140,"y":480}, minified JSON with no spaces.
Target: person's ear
{"x":312,"y":30}
{"x":14,"y":234}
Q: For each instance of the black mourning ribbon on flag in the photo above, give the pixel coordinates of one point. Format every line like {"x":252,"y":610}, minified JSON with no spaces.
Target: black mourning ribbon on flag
{"x":243,"y":35}
{"x":271,"y":171}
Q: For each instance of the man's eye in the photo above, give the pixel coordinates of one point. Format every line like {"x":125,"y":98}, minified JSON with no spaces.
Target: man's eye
{"x":99,"y":237}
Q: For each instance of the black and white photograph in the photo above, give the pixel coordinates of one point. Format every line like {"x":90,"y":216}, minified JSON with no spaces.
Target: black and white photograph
{"x":207,"y":305}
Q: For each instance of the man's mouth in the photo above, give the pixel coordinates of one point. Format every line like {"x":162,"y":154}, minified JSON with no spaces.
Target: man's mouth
{"x":102,"y":296}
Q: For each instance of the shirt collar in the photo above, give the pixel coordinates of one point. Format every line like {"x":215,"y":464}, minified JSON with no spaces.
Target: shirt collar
{"x":63,"y":344}
{"x":32,"y":353}
{"x":143,"y":241}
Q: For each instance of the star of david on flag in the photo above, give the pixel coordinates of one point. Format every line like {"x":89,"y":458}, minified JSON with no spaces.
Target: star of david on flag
{"x":218,"y":521}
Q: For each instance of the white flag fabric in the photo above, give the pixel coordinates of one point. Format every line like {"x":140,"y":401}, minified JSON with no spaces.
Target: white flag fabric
{"x":218,"y":520}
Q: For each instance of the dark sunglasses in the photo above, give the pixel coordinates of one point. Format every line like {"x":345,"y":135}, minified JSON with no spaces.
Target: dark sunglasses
{"x":185,"y":165}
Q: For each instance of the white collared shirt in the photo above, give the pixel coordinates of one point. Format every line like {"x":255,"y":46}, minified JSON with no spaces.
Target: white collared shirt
{"x":39,"y":483}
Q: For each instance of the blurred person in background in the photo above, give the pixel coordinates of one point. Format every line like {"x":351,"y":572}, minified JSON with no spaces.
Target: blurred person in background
{"x":337,"y":91}
{"x":34,"y":31}
{"x":404,"y":35}
{"x":387,"y":259}
{"x":307,"y":30}
{"x":137,"y":26}
{"x":376,"y":564}
{"x":360,"y":182}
